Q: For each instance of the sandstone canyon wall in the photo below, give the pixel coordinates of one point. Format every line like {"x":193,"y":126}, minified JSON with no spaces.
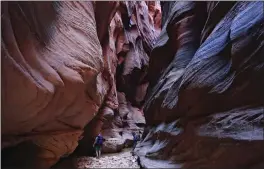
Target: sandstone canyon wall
{"x":61,"y":65}
{"x":205,"y":101}
{"x":131,"y":34}
{"x":72,"y":69}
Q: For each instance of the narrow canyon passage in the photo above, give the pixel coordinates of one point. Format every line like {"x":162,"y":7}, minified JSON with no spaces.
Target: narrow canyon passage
{"x":187,"y":76}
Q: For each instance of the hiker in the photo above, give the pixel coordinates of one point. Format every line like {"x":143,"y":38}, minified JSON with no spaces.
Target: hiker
{"x":136,"y":138}
{"x":98,"y":144}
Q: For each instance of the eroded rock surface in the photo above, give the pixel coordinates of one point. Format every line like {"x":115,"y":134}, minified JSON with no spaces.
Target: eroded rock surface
{"x":205,"y":106}
{"x":52,"y":75}
{"x":127,"y":42}
{"x":72,"y":69}
{"x":61,"y":65}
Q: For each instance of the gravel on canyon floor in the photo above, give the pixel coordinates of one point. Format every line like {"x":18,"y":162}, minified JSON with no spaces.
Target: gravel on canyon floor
{"x":123,"y":159}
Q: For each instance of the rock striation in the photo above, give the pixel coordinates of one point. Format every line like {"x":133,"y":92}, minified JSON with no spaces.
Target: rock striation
{"x":52,"y":77}
{"x":73,"y":69}
{"x":62,"y":63}
{"x":126,"y":44}
{"x":204,"y":107}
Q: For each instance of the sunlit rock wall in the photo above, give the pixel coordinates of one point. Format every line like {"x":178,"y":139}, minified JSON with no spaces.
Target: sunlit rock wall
{"x":69,"y":67}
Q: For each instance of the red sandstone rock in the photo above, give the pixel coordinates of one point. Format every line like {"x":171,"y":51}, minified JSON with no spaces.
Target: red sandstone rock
{"x":125,"y":60}
{"x":52,"y":72}
{"x":59,"y":71}
{"x":205,"y":102}
{"x":84,"y":68}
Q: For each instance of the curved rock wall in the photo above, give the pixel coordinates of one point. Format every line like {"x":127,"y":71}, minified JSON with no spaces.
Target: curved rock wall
{"x":61,"y":65}
{"x":127,"y":41}
{"x":52,"y":74}
{"x":205,"y":106}
{"x":72,"y":69}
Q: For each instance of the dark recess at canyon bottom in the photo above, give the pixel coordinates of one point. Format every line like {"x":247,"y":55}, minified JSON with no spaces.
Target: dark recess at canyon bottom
{"x":189,"y":75}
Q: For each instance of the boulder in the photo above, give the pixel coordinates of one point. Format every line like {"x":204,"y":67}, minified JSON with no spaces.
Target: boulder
{"x":113,"y":145}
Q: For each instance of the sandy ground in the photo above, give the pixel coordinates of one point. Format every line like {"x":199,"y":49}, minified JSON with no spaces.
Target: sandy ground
{"x":123,"y":159}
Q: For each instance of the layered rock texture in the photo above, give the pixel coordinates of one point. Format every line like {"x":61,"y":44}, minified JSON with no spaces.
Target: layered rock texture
{"x":205,"y":102}
{"x":62,"y":63}
{"x":73,"y":69}
{"x":132,"y":30}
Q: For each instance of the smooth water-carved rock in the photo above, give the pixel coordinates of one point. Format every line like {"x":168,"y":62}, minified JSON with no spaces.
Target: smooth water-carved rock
{"x":52,"y":72}
{"x":62,"y":63}
{"x":73,"y":69}
{"x":205,"y":107}
{"x":126,"y":45}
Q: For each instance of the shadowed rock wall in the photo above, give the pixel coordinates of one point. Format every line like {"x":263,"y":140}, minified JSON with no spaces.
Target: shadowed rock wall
{"x":205,"y":100}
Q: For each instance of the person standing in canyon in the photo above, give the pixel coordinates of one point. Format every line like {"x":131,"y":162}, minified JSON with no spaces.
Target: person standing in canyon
{"x":98,"y":144}
{"x":136,"y":138}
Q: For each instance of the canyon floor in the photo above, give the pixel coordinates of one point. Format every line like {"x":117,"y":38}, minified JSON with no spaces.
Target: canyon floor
{"x":123,"y":159}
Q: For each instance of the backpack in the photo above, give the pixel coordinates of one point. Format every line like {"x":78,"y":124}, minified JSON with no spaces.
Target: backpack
{"x":136,"y":138}
{"x":99,"y":140}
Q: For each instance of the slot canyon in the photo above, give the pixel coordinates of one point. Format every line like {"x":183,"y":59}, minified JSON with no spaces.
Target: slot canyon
{"x":187,"y":75}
